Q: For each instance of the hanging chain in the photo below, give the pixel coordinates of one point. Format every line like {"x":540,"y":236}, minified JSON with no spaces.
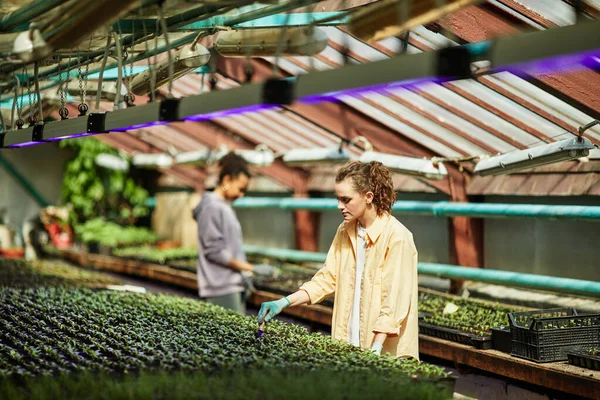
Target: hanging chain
{"x":63,"y":111}
{"x":32,"y":118}
{"x":19,"y":100}
{"x":129,"y":97}
{"x":83,"y":80}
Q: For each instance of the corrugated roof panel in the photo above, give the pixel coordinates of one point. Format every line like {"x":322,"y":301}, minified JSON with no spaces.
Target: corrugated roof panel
{"x":432,"y":39}
{"x":444,"y":115}
{"x":449,"y":97}
{"x":425,"y":123}
{"x":236,"y":125}
{"x":280,"y":130}
{"x":509,"y":107}
{"x":400,"y":127}
{"x":557,"y":11}
{"x":544,"y":100}
{"x":395,"y":45}
{"x":516,"y":14}
{"x":317,"y":135}
{"x":353,"y":44}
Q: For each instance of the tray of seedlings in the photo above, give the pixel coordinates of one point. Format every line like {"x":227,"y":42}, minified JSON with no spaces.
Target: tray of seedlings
{"x":548,"y":335}
{"x":78,"y":336}
{"x":460,"y":320}
{"x":153,"y":255}
{"x":28,"y":274}
{"x":101,"y":236}
{"x":589,"y":359}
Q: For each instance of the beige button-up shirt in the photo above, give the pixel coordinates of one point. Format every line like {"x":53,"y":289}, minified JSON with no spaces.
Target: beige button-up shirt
{"x":389,"y":289}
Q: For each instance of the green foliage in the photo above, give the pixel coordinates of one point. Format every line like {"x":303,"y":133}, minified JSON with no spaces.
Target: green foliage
{"x":94,"y":191}
{"x":472,"y":317}
{"x":53,"y":330}
{"x":19,"y":273}
{"x":111,"y":234}
{"x":157,"y":255}
{"x":229,"y":385}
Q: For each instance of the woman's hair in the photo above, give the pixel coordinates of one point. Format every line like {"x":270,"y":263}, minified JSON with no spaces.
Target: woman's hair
{"x":373,"y":177}
{"x":233,"y":165}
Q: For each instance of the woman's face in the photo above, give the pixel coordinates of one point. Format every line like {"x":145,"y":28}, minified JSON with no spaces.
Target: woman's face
{"x":235,"y":188}
{"x":351,"y":203}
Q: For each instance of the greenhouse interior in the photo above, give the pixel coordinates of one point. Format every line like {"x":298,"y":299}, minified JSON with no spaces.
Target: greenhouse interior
{"x":298,"y":199}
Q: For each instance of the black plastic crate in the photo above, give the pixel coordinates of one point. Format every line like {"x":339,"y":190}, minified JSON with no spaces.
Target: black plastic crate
{"x":547,"y":335}
{"x":482,"y":342}
{"x":501,"y":339}
{"x":584,"y":360}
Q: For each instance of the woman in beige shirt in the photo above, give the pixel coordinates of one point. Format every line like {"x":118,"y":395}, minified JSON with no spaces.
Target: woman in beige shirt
{"x":371,"y":268}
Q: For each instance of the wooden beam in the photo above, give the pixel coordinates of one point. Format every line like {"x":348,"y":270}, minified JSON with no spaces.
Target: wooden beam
{"x":339,"y":119}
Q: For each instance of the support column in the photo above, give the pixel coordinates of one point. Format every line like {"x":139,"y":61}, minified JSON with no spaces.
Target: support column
{"x":465,"y":233}
{"x":306,"y":227}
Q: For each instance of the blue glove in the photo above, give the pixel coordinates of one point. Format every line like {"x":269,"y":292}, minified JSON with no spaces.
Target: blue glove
{"x":268,"y":310}
{"x":376,"y":348}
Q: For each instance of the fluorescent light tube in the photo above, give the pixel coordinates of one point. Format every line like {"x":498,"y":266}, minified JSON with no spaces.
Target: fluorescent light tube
{"x":111,"y":162}
{"x":417,"y":167}
{"x":185,"y":59}
{"x":314,"y":157}
{"x":150,"y":161}
{"x":564,"y":150}
{"x":299,"y":41}
{"x":262,"y":157}
{"x":200,"y":157}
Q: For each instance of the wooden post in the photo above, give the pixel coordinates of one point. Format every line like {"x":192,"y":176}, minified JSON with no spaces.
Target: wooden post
{"x":306,"y":225}
{"x":465,"y":233}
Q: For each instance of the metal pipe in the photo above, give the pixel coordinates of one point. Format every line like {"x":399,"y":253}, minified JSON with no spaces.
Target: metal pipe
{"x":27,"y":13}
{"x":497,"y":277}
{"x":438,"y":209}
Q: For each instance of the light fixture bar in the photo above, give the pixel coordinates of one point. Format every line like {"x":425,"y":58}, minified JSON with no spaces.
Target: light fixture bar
{"x":563,"y":150}
{"x":417,"y":167}
{"x":551,"y":50}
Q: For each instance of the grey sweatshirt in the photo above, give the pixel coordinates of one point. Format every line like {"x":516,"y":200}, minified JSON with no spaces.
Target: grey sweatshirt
{"x":219,"y":240}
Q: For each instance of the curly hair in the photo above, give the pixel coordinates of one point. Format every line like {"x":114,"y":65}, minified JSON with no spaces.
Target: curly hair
{"x":371,"y":177}
{"x":233,"y":165}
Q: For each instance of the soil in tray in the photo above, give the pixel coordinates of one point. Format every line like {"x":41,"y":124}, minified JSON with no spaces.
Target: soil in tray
{"x":454,"y":335}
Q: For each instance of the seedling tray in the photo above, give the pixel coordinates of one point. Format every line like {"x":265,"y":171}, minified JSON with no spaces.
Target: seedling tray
{"x":453,"y":335}
{"x":584,"y":360}
{"x":548,"y":335}
{"x":501,"y":339}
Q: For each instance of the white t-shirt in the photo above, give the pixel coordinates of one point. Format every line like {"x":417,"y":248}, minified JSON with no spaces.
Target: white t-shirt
{"x":361,"y":244}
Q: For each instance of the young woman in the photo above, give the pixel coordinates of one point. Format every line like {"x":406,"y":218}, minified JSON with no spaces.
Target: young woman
{"x":221,"y":259}
{"x":371,"y":268}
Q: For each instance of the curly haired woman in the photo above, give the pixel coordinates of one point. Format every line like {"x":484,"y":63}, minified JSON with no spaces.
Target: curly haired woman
{"x":371,"y":268}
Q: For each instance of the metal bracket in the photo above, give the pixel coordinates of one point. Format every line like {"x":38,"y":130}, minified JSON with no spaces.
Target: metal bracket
{"x":169,"y":110}
{"x":95,"y":123}
{"x":454,"y":62}
{"x":38,"y":133}
{"x":278,"y":91}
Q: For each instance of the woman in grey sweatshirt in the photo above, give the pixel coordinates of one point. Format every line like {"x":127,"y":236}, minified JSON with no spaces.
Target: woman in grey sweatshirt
{"x":221,"y":258}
